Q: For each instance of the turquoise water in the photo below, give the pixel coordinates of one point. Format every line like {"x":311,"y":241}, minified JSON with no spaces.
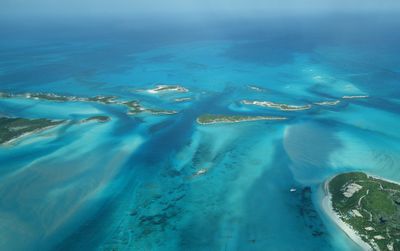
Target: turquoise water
{"x":131,"y":183}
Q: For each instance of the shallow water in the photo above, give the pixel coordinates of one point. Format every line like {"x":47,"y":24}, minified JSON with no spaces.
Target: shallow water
{"x":133,"y":183}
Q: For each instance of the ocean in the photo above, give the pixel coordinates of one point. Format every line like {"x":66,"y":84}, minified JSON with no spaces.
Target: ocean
{"x":165,"y":182}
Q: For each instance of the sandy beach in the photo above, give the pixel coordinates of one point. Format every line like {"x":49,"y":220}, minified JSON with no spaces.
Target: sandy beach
{"x":327,"y":207}
{"x":24,"y":135}
{"x":380,"y":178}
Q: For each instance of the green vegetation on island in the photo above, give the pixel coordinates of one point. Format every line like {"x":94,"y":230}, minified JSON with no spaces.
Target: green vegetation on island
{"x":282,"y":107}
{"x":60,"y":98}
{"x":48,"y":96}
{"x":100,"y":118}
{"x":213,"y":119}
{"x":164,"y":88}
{"x":134,"y":106}
{"x":5,"y":95}
{"x":13,"y":128}
{"x":102,"y":99}
{"x":328,"y":103}
{"x":370,"y":206}
{"x":161,"y":112}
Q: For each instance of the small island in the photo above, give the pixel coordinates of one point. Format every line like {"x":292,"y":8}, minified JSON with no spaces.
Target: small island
{"x":355,"y":96}
{"x":367,"y":208}
{"x":38,"y":96}
{"x":161,"y":112}
{"x":102,"y":99}
{"x":256,"y":88}
{"x":12,"y":129}
{"x":200,"y":172}
{"x":5,"y":95}
{"x":282,"y":107}
{"x":328,"y":103}
{"x":185,"y":99}
{"x":167,"y":88}
{"x":48,"y":96}
{"x":100,"y":119}
{"x":61,"y":98}
{"x":134,"y":107}
{"x":215,"y":119}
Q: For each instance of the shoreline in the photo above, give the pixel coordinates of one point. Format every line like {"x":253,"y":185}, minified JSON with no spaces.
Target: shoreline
{"x":20,"y":137}
{"x":239,"y":121}
{"x":347,"y":229}
{"x":384,"y":179}
{"x":279,"y":106}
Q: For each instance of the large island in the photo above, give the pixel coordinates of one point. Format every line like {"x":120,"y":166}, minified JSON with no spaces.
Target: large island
{"x":367,"y":208}
{"x":134,"y":106}
{"x":15,"y":128}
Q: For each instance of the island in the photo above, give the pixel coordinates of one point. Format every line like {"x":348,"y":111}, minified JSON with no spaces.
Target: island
{"x":161,"y":112}
{"x":102,"y":99}
{"x":328,"y":103}
{"x":367,"y":208}
{"x":134,"y":107}
{"x":12,"y":129}
{"x":183,"y":99}
{"x":200,"y":172}
{"x":48,"y":96}
{"x":167,"y":88}
{"x":60,"y":98}
{"x":99,"y":118}
{"x":5,"y":95}
{"x":282,"y":107}
{"x":256,"y":88}
{"x":355,"y":96}
{"x":214,"y":119}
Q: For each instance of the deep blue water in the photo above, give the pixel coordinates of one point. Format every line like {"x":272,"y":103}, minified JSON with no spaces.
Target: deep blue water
{"x":130,"y":184}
